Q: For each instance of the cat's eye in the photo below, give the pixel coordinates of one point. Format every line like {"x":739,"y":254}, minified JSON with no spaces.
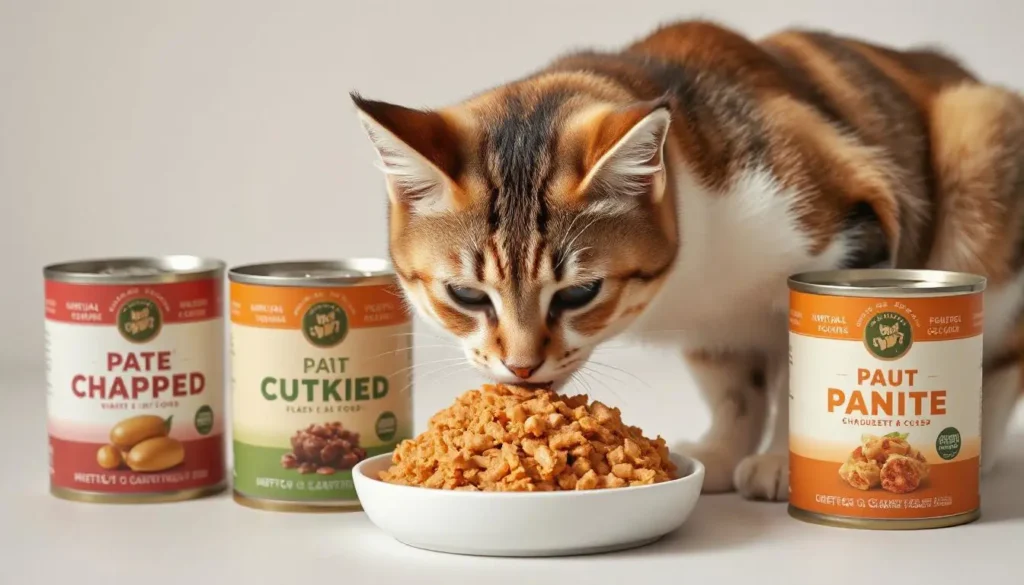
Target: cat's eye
{"x":575,"y":297}
{"x":468,"y":297}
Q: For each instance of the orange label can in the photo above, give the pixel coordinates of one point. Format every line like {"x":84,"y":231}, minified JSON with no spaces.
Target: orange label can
{"x":885,"y":398}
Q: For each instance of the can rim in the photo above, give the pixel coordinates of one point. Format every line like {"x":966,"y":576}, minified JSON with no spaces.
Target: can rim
{"x":887,"y":282}
{"x":359,"y":271}
{"x":172,"y":268}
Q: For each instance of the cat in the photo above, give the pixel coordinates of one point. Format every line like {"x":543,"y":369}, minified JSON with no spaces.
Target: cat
{"x":676,"y":184}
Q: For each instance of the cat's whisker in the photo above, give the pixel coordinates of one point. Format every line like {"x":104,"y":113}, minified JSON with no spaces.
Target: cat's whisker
{"x":565,"y":234}
{"x":468,"y":367}
{"x":639,"y":336}
{"x":569,"y":246}
{"x":577,"y":376}
{"x":428,"y":363}
{"x":412,"y":347}
{"x":583,"y":385}
{"x":634,"y":376}
{"x":580,"y":251}
{"x":431,"y":335}
{"x":462,"y":363}
{"x":594,"y":375}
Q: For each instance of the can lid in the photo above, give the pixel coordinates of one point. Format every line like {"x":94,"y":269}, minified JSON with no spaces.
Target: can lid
{"x":887,"y":282}
{"x":135,"y":270}
{"x":349,"y":272}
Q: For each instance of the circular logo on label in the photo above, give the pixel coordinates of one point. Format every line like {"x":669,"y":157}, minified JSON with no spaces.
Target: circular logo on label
{"x":204,"y":420}
{"x":888,"y":335}
{"x":325,"y":324}
{"x":947,"y":444}
{"x":139,"y":320}
{"x":387,"y":426}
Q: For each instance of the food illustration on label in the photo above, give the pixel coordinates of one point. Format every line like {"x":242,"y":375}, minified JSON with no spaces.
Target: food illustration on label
{"x":141,"y":444}
{"x":132,"y":431}
{"x":324,"y":449}
{"x":888,"y":462}
{"x":109,"y":457}
{"x":156,"y":454}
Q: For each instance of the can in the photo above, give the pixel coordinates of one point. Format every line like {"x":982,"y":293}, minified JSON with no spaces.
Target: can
{"x":135,"y":378}
{"x":885,"y":398}
{"x":321,"y":378}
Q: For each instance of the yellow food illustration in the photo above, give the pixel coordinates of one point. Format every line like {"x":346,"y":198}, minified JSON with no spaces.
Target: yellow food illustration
{"x":132,"y":431}
{"x":888,"y":462}
{"x":156,"y":454}
{"x":141,"y":443}
{"x":862,"y":474}
{"x":109,"y":457}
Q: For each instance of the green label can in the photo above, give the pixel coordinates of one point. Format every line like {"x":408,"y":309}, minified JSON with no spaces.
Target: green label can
{"x":321,"y":377}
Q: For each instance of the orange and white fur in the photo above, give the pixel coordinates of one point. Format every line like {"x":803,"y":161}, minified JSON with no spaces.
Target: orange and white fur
{"x":698,"y":169}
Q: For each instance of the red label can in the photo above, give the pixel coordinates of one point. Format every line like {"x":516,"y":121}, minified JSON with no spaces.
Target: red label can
{"x":135,"y":378}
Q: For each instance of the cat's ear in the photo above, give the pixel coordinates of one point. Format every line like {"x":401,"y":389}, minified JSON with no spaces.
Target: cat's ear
{"x":625,"y":155}
{"x":419,"y":154}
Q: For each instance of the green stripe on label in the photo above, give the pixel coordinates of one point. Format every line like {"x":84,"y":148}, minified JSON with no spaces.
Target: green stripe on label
{"x":258,"y":473}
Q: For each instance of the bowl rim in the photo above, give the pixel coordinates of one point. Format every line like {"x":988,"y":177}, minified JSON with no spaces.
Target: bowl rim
{"x":695,"y":466}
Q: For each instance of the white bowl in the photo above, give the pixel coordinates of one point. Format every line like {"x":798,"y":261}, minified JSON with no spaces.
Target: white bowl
{"x":527,"y":524}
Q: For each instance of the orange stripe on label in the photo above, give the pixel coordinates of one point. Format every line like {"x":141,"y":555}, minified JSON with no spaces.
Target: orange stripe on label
{"x":885,"y":322}
{"x":950,"y":488}
{"x":278,"y":307}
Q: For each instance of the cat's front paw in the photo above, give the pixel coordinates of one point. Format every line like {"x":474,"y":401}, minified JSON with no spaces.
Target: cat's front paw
{"x":718,"y":466}
{"x":763,"y":477}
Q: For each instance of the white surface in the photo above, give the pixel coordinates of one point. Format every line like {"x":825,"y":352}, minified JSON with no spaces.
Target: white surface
{"x":46,"y":540}
{"x":539,"y":524}
{"x":225,"y":128}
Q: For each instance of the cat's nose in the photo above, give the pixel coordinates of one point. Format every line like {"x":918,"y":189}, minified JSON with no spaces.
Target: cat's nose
{"x":523,"y":371}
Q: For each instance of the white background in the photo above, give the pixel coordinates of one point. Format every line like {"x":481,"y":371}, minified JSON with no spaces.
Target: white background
{"x":225,"y":129}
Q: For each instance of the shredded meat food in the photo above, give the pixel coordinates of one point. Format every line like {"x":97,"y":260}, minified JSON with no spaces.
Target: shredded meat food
{"x":506,"y":438}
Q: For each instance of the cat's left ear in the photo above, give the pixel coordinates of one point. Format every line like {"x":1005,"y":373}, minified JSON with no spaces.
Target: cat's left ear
{"x":625,"y":154}
{"x":419,"y":154}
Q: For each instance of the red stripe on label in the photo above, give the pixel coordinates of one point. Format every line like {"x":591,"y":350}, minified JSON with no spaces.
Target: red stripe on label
{"x":103,"y":304}
{"x":74,"y":466}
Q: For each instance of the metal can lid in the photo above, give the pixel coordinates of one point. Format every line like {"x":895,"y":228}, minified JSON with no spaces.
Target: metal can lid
{"x":348,"y":272}
{"x":135,"y":270}
{"x":887,"y":282}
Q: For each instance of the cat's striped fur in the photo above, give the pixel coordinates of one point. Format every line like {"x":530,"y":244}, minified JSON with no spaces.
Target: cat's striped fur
{"x":699,"y":168}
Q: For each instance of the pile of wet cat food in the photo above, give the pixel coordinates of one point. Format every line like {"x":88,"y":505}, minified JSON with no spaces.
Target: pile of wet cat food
{"x":507,"y":438}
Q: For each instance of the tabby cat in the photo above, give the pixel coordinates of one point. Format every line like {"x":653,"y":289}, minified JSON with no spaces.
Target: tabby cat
{"x":698,"y":169}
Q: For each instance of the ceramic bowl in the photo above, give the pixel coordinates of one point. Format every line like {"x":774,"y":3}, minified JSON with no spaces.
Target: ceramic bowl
{"x":527,"y":524}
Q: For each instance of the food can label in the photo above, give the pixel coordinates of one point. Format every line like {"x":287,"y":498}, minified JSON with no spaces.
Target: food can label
{"x":321,"y":380}
{"x":135,"y":386}
{"x":885,"y":405}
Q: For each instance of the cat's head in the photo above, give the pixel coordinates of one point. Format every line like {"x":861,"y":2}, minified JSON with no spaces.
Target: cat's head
{"x":532,"y":222}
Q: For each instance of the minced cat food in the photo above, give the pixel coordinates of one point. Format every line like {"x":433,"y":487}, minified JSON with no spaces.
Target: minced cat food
{"x":505,"y":438}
